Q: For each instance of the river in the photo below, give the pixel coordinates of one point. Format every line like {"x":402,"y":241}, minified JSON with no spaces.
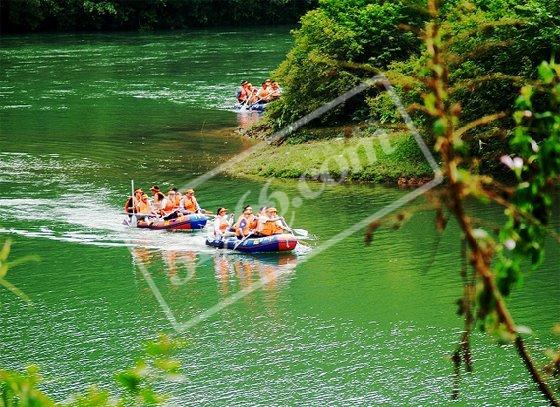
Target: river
{"x":82,"y":115}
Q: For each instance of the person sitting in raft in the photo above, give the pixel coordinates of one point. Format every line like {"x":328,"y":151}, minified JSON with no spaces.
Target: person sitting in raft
{"x":170,"y":206}
{"x":246,"y":224}
{"x":263,"y":94}
{"x":252,"y":94}
{"x":177,"y":201}
{"x":131,"y":202}
{"x":144,"y":207}
{"x":242,"y":93}
{"x":271,"y":224}
{"x":275,"y":91}
{"x":189,"y":204}
{"x":159,"y":203}
{"x":222,"y":223}
{"x":154,"y":189}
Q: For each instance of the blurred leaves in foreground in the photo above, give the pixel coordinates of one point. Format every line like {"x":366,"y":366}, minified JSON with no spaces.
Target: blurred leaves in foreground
{"x":137,"y":384}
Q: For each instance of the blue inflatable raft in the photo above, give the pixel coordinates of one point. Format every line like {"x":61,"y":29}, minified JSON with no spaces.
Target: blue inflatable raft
{"x":193,"y":221}
{"x":257,"y":107}
{"x":274,"y":243}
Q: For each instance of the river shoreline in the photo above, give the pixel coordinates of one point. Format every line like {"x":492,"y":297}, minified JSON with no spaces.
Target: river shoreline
{"x":388,"y":158}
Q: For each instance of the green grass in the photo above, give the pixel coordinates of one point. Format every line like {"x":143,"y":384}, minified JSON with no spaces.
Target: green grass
{"x":373,"y":159}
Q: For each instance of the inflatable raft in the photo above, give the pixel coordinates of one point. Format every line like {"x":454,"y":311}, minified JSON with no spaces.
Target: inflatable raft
{"x":257,"y":107}
{"x":185,"y":222}
{"x":274,"y":243}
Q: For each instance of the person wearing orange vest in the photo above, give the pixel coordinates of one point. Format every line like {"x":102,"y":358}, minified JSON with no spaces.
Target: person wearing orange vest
{"x":263,"y":94}
{"x":177,"y":201}
{"x":170,"y":206}
{"x":221,"y":222}
{"x":246,"y":224}
{"x":170,"y":203}
{"x":144,"y":206}
{"x":132,"y":202}
{"x":271,"y":224}
{"x":189,"y":204}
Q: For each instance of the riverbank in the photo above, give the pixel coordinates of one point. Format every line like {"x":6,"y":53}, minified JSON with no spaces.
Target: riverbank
{"x":392,"y":158}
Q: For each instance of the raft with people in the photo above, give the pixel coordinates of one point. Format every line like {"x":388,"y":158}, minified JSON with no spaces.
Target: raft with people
{"x":251,"y":98}
{"x":266,"y":244}
{"x":265,"y":231}
{"x":193,"y":221}
{"x":175,"y":211}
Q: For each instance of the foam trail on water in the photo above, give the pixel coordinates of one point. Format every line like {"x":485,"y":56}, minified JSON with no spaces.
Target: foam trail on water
{"x":84,"y":219}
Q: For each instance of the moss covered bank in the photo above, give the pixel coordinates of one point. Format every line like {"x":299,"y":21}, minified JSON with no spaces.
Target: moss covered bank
{"x":389,"y":158}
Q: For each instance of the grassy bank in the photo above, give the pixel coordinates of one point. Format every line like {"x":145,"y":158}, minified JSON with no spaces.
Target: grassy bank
{"x":393,"y":158}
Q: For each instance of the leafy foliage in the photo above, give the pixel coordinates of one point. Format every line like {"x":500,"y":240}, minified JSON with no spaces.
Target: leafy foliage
{"x":343,"y":42}
{"x":536,"y":144}
{"x":332,"y":40}
{"x":496,"y":260}
{"x":6,"y":265}
{"x":137,"y":383}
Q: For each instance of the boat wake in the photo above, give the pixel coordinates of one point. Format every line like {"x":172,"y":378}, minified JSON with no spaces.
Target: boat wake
{"x":83,"y":219}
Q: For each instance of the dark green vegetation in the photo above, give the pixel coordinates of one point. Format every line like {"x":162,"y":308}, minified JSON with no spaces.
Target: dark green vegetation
{"x":94,"y":15}
{"x":497,"y":46}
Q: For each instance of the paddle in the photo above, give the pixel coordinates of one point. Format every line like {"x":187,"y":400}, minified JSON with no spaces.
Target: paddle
{"x":300,"y":232}
{"x":242,"y":225}
{"x":241,"y":241}
{"x":133,"y":219}
{"x":207,"y":213}
{"x":245,"y":103}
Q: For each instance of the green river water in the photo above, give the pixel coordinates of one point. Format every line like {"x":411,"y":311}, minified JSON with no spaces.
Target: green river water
{"x":81,"y":115}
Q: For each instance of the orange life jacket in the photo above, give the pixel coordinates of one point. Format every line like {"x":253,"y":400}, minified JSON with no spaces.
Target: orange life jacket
{"x":169,"y":205}
{"x":190,"y":204}
{"x":224,"y":224}
{"x":246,"y":225}
{"x":144,"y":207}
{"x":271,"y":228}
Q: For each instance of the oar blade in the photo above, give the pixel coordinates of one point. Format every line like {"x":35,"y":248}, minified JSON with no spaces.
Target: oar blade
{"x":301,"y":232}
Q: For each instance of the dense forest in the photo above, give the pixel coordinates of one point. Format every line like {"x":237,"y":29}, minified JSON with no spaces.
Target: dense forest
{"x":96,"y":15}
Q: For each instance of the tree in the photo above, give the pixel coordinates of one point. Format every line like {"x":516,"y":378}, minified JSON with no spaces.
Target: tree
{"x":495,"y":258}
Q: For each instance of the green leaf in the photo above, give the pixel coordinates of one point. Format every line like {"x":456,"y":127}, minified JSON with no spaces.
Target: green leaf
{"x":9,"y":286}
{"x":440,"y":127}
{"x":430,"y":102}
{"x":546,"y":73}
{"x":5,"y":252}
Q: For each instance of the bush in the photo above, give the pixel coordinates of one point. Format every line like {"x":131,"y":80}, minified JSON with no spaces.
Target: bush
{"x":331,"y":42}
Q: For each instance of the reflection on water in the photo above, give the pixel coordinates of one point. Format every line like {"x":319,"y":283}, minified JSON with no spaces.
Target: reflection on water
{"x":232,"y":272}
{"x":247,"y":119}
{"x":272,"y":270}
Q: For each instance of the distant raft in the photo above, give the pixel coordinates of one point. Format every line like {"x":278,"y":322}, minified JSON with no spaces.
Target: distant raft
{"x":193,"y":221}
{"x":256,"y":107}
{"x":274,"y":243}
